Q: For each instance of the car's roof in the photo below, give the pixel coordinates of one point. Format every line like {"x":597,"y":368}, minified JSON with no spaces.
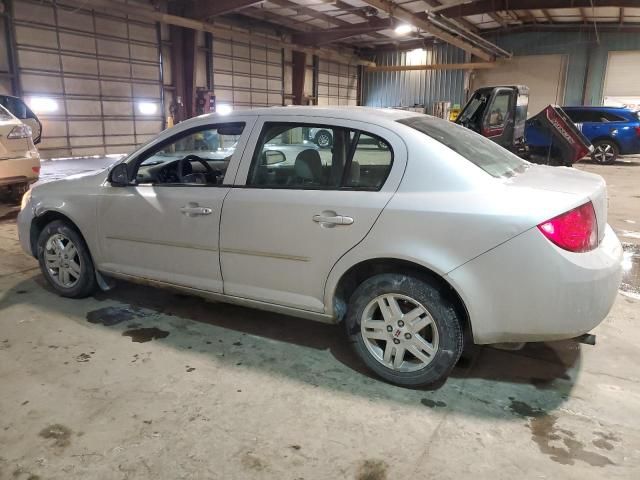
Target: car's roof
{"x":351,"y":113}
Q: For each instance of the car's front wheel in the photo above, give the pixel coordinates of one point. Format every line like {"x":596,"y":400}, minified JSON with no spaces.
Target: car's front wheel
{"x":605,"y":152}
{"x":404,"y":329}
{"x":324,"y":139}
{"x":65,"y":260}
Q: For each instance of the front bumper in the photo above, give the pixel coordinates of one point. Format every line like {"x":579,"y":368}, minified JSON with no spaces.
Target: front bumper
{"x":528,"y":289}
{"x":25,"y":217}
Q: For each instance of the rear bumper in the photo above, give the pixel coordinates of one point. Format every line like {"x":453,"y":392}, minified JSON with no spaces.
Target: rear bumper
{"x":19,"y":170}
{"x":527,"y":289}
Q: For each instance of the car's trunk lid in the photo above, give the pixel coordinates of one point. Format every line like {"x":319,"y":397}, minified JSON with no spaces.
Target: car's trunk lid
{"x":582,"y":186}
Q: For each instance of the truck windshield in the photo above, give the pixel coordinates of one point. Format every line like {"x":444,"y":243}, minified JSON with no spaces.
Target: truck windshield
{"x":482,"y":152}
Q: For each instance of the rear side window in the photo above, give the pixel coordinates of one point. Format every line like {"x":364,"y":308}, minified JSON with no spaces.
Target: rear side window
{"x":482,"y":152}
{"x":319,"y":157}
{"x":4,"y":114}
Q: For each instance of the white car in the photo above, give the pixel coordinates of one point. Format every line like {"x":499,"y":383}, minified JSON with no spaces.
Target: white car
{"x":440,"y":238}
{"x":19,"y":158}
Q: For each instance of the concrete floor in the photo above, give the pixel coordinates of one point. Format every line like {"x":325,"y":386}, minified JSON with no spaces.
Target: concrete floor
{"x":141,"y":383}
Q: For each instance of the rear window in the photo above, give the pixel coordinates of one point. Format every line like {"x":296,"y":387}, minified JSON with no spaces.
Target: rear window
{"x":482,"y":152}
{"x":4,"y":114}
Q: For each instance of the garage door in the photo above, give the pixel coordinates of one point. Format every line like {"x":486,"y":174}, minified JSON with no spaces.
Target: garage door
{"x":545,"y":75}
{"x":337,"y":83}
{"x":246,"y":75}
{"x":619,"y":88}
{"x":94,"y":79}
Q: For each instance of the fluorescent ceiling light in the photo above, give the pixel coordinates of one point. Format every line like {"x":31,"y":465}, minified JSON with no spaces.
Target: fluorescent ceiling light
{"x":403,"y":29}
{"x":147,"y":108}
{"x":223,"y":109}
{"x":42,"y":104}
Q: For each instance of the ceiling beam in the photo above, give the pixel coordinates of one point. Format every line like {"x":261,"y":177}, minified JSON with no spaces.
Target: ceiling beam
{"x":621,"y":18}
{"x":407,"y":16}
{"x":566,"y":27}
{"x":488,"y":6}
{"x":464,"y":22}
{"x":322,"y":37}
{"x":435,"y":66}
{"x":203,"y":9}
{"x":344,"y":55}
{"x":547,"y":15}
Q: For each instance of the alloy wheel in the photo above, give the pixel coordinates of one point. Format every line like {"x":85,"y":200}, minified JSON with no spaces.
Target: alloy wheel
{"x":604,"y":153}
{"x":324,"y":139}
{"x":399,"y":332}
{"x":62,"y":260}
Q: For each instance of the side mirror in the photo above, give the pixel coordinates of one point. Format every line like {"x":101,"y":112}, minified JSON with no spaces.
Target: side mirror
{"x":119,"y":176}
{"x":271,"y":157}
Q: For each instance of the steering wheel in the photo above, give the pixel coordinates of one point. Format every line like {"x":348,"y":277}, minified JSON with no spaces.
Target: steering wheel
{"x":189,"y":158}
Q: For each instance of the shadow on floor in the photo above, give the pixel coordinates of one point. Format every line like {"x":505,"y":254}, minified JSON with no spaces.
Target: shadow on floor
{"x":540,"y":373}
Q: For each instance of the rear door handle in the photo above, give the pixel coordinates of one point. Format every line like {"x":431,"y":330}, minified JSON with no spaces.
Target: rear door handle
{"x":194,"y":211}
{"x":333,"y":220}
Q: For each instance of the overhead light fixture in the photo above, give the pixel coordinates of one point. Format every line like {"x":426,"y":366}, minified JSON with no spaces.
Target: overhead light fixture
{"x":403,"y":29}
{"x":223,"y":109}
{"x":42,"y":104}
{"x":147,"y":108}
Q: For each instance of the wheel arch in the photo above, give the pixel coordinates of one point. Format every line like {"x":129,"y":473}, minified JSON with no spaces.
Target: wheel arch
{"x":42,"y":220}
{"x":357,"y":273}
{"x":608,"y":139}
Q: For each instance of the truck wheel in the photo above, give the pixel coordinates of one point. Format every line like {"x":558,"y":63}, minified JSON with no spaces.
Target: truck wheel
{"x":605,"y":152}
{"x":404,"y":329}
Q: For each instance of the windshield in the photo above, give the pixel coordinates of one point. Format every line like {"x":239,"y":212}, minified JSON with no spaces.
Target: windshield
{"x":482,"y":152}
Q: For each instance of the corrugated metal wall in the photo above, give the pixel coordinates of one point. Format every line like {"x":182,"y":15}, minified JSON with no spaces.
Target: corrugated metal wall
{"x":585,"y":71}
{"x":408,"y":89}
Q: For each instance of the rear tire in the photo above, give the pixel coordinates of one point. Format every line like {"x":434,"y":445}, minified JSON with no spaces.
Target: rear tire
{"x":404,"y":329}
{"x":65,"y":260}
{"x":605,"y":152}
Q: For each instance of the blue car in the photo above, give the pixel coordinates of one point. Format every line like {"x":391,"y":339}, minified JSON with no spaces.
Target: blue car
{"x":613,"y":131}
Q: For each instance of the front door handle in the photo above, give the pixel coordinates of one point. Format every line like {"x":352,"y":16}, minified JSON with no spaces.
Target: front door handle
{"x":193,"y":210}
{"x":333,"y":220}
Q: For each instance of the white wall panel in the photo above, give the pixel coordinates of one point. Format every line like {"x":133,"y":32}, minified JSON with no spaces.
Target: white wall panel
{"x":97,"y":67}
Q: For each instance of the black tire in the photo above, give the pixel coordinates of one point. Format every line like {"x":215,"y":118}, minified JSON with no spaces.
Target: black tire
{"x":605,"y":152}
{"x":85,"y":284}
{"x":323,"y":139}
{"x":450,"y":338}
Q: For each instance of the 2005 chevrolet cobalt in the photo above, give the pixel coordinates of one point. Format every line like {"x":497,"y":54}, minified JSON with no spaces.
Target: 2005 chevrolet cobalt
{"x":415,"y":233}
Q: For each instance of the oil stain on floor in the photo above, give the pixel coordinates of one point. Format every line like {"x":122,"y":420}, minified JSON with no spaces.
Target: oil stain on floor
{"x":60,"y":434}
{"x":559,"y":444}
{"x":142,"y":335}
{"x":372,"y":470}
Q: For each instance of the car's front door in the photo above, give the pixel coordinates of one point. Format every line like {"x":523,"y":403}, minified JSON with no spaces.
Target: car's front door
{"x":296,"y":208}
{"x":165,"y":226}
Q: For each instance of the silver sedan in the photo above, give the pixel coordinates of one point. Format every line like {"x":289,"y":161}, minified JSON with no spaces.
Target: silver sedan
{"x":417,"y":235}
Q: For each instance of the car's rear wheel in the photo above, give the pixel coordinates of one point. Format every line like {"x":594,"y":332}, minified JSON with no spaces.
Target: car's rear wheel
{"x":605,"y":152}
{"x":65,"y":260}
{"x":404,"y":329}
{"x":324,"y":139}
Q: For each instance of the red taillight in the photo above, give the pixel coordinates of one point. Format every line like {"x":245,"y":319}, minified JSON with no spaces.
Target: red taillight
{"x":575,"y":230}
{"x":35,"y":169}
{"x":638,"y":131}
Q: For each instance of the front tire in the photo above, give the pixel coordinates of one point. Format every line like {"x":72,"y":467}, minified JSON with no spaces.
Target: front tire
{"x":605,"y":152}
{"x":65,"y":260}
{"x":404,"y":329}
{"x":324,"y":139}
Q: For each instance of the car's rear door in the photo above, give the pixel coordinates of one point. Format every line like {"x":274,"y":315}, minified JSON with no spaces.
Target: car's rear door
{"x":286,"y":223}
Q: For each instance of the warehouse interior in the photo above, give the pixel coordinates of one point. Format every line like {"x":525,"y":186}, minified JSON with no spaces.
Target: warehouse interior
{"x":233,"y":392}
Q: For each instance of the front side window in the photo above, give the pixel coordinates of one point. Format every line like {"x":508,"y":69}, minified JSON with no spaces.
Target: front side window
{"x":196,"y":157}
{"x":288,"y":156}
